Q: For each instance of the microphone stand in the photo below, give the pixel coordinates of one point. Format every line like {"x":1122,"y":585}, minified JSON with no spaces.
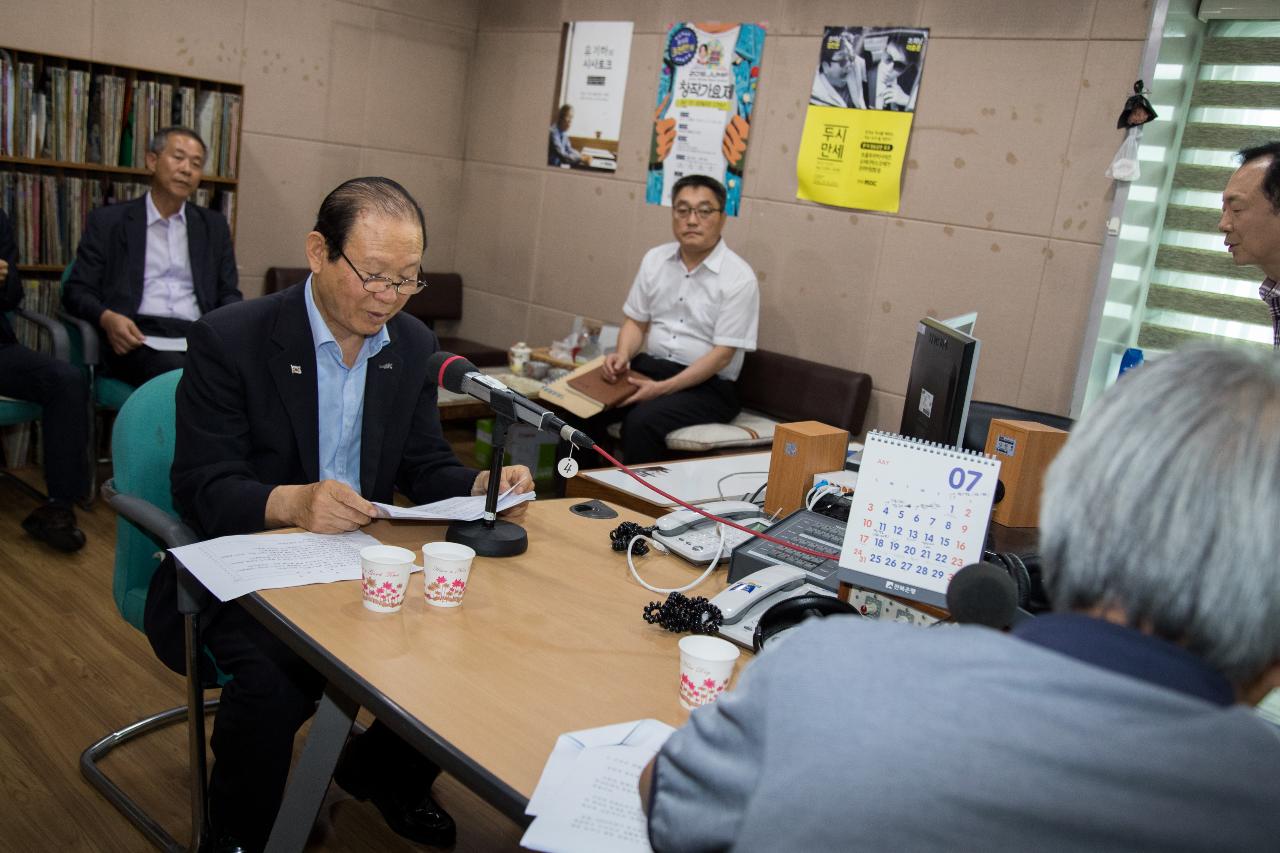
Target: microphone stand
{"x":491,"y":536}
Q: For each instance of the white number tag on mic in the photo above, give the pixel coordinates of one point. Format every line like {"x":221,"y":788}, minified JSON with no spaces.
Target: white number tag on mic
{"x":568,"y":467}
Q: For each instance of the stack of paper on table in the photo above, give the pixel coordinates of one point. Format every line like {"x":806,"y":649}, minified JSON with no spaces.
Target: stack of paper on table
{"x":232,"y":566}
{"x":587,"y":798}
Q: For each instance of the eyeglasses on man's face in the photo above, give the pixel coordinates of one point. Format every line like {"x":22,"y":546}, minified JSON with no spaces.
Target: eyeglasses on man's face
{"x":379,"y":283}
{"x":702,"y":211}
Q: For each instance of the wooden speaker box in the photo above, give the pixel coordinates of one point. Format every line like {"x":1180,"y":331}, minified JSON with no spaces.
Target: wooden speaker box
{"x":1025,"y":449}
{"x":800,"y":450}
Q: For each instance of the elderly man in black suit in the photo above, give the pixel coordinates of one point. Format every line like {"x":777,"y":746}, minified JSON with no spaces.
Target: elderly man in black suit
{"x":298,"y":409}
{"x":152,"y":266}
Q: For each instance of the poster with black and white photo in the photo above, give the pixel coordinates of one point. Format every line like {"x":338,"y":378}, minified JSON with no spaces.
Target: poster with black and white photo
{"x":860,"y":112}
{"x":586,"y":118}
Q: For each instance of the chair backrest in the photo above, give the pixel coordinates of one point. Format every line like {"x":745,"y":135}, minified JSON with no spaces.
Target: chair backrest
{"x":142,"y":453}
{"x":981,"y":413}
{"x":442,"y":300}
{"x":792,"y":389}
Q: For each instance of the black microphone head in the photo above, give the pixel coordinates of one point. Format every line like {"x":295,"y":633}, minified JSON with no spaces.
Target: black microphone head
{"x":983,"y":594}
{"x":447,"y":370}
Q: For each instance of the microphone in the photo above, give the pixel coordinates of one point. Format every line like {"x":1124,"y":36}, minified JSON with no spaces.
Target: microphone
{"x":457,"y":374}
{"x":984,"y":594}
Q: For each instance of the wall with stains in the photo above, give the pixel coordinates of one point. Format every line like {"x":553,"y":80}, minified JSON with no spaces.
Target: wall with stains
{"x":1003,"y":199}
{"x":333,"y":89}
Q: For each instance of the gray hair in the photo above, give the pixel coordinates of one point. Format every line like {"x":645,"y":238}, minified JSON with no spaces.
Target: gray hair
{"x":161,"y":138}
{"x":1163,"y":504}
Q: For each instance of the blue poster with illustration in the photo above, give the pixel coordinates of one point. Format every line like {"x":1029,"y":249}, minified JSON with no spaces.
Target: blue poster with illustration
{"x":706,"y":94}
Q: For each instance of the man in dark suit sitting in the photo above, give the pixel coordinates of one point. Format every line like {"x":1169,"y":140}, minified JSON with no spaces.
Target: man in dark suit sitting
{"x":151,"y":266}
{"x":298,"y":409}
{"x":60,"y":389}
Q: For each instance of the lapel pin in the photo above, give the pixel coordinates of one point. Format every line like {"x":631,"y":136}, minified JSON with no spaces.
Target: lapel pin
{"x":386,"y":366}
{"x":295,"y":368}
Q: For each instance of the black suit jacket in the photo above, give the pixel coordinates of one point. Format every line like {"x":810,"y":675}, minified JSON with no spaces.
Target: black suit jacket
{"x":248,"y":421}
{"x":111,"y":260}
{"x":11,"y":285}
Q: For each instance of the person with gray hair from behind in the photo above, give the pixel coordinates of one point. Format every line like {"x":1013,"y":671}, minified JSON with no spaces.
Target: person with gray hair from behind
{"x":1120,"y":721}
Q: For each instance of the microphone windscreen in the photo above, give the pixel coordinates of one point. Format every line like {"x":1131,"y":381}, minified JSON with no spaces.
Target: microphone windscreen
{"x":983,"y":594}
{"x":448,"y":370}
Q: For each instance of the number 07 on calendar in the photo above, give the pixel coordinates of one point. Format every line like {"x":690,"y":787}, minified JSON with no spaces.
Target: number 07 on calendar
{"x":919,"y":515}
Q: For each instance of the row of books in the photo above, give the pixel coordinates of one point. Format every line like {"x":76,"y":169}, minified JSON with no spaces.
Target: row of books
{"x":73,"y":116}
{"x":48,"y":212}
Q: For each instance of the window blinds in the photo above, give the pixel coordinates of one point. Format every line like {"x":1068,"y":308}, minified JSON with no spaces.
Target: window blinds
{"x":1196,"y":292}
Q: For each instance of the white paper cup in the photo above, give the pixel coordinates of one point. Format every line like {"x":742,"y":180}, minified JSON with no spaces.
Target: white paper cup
{"x":445,"y":568}
{"x":706,"y":664}
{"x":386,"y":571}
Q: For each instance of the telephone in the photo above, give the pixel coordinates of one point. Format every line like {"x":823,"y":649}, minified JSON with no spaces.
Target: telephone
{"x":747,"y":594}
{"x":694,"y":537}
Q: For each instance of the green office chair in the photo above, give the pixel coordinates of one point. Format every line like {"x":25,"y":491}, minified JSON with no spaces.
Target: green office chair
{"x":14,"y":412}
{"x":142,"y":448}
{"x":105,"y":393}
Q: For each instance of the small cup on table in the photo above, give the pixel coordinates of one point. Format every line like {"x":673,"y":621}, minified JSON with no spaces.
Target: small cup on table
{"x":386,"y":571}
{"x":706,"y":665}
{"x":445,"y":569}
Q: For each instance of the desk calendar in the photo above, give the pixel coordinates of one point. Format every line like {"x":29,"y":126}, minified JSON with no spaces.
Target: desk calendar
{"x":919,"y":515}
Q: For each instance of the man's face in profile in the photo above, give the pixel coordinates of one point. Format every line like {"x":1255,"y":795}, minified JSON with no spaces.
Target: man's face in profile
{"x":566,"y":119}
{"x":1249,"y":220}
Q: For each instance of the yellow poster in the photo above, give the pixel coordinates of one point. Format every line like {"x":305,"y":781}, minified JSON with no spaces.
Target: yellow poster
{"x":853,"y":158}
{"x":859,"y":121}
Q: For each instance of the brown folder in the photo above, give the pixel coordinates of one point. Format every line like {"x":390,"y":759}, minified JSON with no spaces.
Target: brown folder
{"x":612,"y":394}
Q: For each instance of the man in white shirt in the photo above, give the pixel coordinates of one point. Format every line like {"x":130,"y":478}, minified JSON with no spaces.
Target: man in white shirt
{"x":150,"y":267}
{"x":698,"y":304}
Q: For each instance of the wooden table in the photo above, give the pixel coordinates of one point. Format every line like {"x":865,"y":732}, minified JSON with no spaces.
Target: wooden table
{"x":544,"y":643}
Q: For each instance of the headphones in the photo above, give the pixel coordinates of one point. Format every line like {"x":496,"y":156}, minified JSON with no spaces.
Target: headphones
{"x":1027,"y":573}
{"x":791,"y":612}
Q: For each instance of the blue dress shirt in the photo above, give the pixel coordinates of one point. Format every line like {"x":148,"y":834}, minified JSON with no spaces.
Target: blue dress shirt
{"x":340,"y":395}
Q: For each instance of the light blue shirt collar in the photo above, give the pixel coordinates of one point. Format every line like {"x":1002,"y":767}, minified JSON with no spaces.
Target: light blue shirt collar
{"x":340,"y":397}
{"x":320,"y":333}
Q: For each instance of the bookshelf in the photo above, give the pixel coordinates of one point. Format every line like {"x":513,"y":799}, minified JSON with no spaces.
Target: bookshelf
{"x":73,"y":137}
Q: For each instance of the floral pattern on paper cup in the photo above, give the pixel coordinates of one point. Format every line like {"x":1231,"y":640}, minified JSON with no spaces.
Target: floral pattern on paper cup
{"x":445,"y":592}
{"x":446,"y":568}
{"x":695,"y":693}
{"x":385,"y":571}
{"x":387,"y":595}
{"x":706,"y":665}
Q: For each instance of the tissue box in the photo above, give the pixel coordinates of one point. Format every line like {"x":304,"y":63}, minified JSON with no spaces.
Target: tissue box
{"x":526,"y":445}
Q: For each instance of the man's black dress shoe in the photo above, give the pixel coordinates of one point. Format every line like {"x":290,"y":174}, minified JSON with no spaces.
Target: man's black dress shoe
{"x":55,"y":525}
{"x":407,"y":806}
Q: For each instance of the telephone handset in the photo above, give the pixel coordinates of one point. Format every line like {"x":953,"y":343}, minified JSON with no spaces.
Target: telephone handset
{"x":695,"y":537}
{"x":746,"y":595}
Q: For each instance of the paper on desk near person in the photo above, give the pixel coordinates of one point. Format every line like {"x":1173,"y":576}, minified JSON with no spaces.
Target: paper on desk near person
{"x":468,"y":508}
{"x":232,"y":566}
{"x":587,"y":799}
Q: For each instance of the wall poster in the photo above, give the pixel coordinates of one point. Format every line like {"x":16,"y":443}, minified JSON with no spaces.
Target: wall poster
{"x":586,"y":118}
{"x":706,"y":94}
{"x":863,"y":99}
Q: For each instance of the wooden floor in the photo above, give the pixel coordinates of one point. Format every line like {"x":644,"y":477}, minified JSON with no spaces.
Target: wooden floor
{"x":71,"y":669}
